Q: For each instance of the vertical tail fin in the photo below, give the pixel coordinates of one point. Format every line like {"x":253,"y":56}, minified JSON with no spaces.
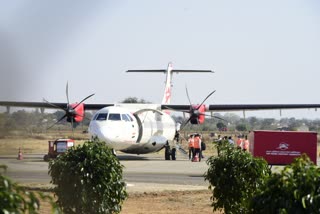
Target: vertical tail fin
{"x":167,"y":90}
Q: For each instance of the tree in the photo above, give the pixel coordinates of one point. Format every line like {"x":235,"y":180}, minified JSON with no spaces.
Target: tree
{"x":268,"y":123}
{"x":15,"y":199}
{"x":3,"y":121}
{"x":253,"y":121}
{"x":294,"y":124}
{"x":91,"y":173}
{"x":241,"y":127}
{"x":221,"y":125}
{"x":134,"y":100}
{"x":295,"y":190}
{"x":234,"y":176}
{"x":231,"y":117}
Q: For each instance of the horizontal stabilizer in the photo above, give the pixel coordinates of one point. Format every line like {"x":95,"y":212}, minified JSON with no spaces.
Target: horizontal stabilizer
{"x":147,"y":71}
{"x":175,"y":71}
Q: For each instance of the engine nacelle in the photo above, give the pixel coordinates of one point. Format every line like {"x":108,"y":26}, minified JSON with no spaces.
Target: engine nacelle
{"x":77,"y":114}
{"x":197,"y":114}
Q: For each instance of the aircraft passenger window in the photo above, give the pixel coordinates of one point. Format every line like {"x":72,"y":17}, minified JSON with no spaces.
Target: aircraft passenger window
{"x":102,"y":116}
{"x":125,"y":117}
{"x":114,"y":117}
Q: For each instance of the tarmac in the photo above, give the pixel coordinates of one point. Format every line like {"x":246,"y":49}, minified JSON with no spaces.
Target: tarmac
{"x":142,"y":173}
{"x":147,"y":173}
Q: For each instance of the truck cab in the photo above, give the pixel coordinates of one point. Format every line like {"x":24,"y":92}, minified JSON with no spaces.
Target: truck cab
{"x":57,"y":147}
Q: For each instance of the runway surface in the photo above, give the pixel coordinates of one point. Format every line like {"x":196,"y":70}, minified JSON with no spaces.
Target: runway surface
{"x":141,"y":173}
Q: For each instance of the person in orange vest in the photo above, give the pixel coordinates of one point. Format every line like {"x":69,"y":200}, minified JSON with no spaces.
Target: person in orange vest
{"x":239,"y":142}
{"x":197,"y":146}
{"x":245,"y":144}
{"x":191,"y":146}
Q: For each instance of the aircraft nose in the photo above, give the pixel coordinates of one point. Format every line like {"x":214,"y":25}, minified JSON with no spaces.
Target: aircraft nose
{"x":108,"y":134}
{"x":99,"y":131}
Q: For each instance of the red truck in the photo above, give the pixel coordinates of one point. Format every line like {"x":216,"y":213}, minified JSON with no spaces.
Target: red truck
{"x":281,"y":147}
{"x":58,"y":147}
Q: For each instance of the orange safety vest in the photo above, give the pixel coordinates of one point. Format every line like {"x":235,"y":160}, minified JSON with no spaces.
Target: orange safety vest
{"x":239,"y":142}
{"x":191,"y":143}
{"x":197,"y":143}
{"x":246,"y":145}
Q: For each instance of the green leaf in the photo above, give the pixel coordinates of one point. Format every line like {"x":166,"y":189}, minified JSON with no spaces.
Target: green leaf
{"x":93,"y":174}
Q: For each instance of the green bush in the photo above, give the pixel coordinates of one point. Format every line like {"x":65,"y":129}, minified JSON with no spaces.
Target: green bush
{"x":295,"y":190}
{"x":234,"y":176}
{"x":88,"y":179}
{"x":15,"y":199}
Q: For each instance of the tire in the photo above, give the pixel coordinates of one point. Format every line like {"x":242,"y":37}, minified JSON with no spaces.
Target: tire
{"x":46,"y":158}
{"x":173,"y":154}
{"x":167,"y":153}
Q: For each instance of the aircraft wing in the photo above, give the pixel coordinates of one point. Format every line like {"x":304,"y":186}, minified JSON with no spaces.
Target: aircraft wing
{"x":216,"y":107}
{"x":50,"y":105}
{"x":242,"y":107}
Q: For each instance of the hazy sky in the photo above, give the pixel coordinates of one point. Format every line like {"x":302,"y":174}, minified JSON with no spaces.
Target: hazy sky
{"x":261,"y":51}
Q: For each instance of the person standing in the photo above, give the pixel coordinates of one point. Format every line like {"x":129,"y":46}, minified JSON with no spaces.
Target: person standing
{"x":230,"y":140}
{"x":245,"y":144}
{"x":203,"y":147}
{"x":239,"y":142}
{"x":191,"y":146}
{"x":197,"y":146}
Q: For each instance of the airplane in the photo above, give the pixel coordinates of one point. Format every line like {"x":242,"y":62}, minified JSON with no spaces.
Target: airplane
{"x":144,"y":128}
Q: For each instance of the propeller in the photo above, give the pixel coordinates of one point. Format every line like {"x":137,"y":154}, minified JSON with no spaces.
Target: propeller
{"x":70,"y":110}
{"x":194,"y":111}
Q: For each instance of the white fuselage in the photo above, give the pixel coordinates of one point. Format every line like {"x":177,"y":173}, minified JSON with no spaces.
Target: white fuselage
{"x":133,"y":128}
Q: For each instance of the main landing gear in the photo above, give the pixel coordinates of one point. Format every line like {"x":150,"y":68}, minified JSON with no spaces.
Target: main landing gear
{"x":169,"y":154}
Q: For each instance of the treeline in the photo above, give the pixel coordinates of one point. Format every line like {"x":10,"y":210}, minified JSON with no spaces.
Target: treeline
{"x":38,"y":122}
{"x":233,"y":122}
{"x":31,"y":122}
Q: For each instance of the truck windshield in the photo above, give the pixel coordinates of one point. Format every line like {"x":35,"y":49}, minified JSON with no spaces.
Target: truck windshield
{"x":62,"y":146}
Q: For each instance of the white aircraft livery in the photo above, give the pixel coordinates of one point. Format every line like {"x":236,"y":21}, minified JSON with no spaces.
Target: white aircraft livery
{"x":143,"y":128}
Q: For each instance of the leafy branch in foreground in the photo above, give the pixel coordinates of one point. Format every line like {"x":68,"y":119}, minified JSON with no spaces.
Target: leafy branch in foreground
{"x":88,"y":179}
{"x":295,"y":190}
{"x":234,"y":176}
{"x":16,"y":199}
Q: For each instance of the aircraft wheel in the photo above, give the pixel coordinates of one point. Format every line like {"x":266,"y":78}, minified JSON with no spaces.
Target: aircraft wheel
{"x":167,"y":157}
{"x":167,"y":153}
{"x":173,"y":154}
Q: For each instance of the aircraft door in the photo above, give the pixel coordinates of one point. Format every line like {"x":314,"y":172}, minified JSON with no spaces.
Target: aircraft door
{"x":140,"y":128}
{"x":130,"y":128}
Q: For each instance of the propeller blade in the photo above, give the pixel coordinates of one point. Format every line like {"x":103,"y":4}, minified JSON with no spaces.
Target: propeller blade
{"x":206,"y":99}
{"x":67,"y":93}
{"x":83,"y":100}
{"x":183,"y":125}
{"x":57,"y":121}
{"x":53,"y":104}
{"x":188,"y":95}
{"x":72,"y":124}
{"x":220,"y":118}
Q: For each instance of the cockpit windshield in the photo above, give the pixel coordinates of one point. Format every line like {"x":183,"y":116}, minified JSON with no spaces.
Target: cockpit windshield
{"x":102,"y":116}
{"x":114,"y":117}
{"x":125,"y":117}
